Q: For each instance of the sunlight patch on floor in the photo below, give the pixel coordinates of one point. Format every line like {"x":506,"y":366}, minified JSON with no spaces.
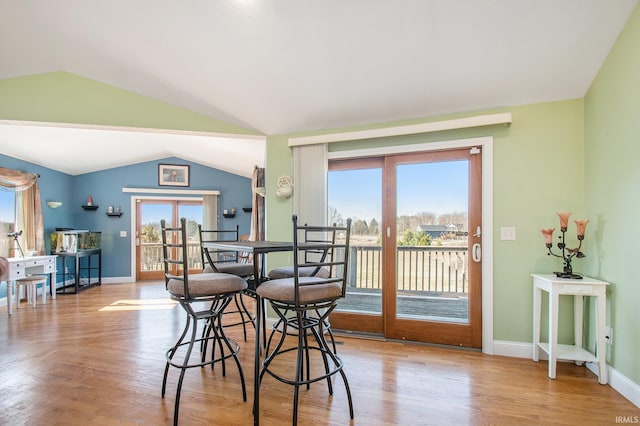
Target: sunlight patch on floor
{"x":140,"y":305}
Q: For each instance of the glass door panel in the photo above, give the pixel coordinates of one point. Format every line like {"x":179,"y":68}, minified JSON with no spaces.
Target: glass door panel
{"x":432,"y":201}
{"x":432,"y":233}
{"x":355,"y":191}
{"x":193,"y":213}
{"x":149,"y":238}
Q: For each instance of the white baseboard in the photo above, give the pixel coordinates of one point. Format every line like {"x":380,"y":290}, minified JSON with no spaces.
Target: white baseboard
{"x":621,"y":383}
{"x":512,"y":349}
{"x":117,"y":280}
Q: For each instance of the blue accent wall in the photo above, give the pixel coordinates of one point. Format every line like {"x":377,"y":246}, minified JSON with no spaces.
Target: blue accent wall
{"x":106,"y":189}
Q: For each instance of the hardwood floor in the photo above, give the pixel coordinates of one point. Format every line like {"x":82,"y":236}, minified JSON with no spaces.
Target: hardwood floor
{"x":97,"y":358}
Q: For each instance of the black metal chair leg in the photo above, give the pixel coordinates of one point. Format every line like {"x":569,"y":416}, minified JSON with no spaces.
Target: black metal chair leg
{"x":299,"y":365}
{"x":234,"y":355}
{"x":241,"y":311}
{"x":183,"y":370}
{"x":171,"y":352}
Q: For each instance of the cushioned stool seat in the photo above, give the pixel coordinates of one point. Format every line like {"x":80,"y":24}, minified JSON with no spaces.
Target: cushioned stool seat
{"x":284,"y":290}
{"x":30,"y":283}
{"x":305,"y":271}
{"x":235,"y":268}
{"x":211,"y":284}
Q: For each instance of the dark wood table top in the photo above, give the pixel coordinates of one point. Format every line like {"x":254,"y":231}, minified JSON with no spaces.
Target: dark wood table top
{"x":250,"y":246}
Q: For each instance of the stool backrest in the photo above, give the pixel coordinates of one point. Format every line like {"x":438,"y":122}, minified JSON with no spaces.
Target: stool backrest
{"x":174,"y":254}
{"x":321,"y":246}
{"x":212,"y":256}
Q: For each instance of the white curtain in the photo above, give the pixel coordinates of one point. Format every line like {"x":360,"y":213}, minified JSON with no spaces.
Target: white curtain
{"x":310,"y":167}
{"x":28,"y":206}
{"x":210,"y":212}
{"x":257,"y":204}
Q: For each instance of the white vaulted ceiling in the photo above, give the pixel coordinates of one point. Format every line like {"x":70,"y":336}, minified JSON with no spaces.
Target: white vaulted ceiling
{"x":75,"y":149}
{"x":280,"y":66}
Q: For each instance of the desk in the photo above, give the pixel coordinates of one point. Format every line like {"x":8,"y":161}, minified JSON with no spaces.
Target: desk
{"x":256,"y":248}
{"x":78,"y":268}
{"x":19,"y":267}
{"x":578,"y":289}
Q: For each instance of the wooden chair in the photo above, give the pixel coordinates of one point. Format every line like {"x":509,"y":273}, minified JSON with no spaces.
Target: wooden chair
{"x":303,"y":304}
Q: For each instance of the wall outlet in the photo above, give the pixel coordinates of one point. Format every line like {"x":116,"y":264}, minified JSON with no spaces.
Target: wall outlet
{"x":608,"y":335}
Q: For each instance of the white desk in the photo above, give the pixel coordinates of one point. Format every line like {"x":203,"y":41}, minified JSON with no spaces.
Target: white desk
{"x":20,"y":267}
{"x":578,"y":289}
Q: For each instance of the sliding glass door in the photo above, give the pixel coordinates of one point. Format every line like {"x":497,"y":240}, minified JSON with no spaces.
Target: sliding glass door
{"x":411,"y":276}
{"x":149,"y":239}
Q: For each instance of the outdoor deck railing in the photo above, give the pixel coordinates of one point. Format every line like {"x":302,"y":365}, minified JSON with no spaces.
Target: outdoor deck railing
{"x":419,"y":268}
{"x":152,"y":256}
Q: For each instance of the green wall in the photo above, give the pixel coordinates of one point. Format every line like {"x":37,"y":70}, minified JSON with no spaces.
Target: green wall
{"x":63,"y":97}
{"x":612,"y":150}
{"x":538,"y":171}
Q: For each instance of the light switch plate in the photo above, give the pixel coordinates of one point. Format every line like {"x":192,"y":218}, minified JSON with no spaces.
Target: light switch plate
{"x":508,"y":233}
{"x":123,"y":234}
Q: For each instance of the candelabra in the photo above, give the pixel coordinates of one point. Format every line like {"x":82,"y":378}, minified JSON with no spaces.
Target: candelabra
{"x":567,"y":254}
{"x":15,"y":236}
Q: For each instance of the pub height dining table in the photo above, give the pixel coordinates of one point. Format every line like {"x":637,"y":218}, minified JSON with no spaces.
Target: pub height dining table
{"x":258,"y":249}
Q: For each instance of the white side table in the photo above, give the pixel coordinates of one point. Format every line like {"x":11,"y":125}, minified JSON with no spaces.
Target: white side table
{"x":578,"y":289}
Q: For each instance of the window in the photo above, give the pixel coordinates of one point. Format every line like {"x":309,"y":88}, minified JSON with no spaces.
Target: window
{"x":7,"y":221}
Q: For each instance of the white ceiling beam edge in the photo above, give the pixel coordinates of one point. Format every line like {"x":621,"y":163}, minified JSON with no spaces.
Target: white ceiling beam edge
{"x":171,"y":191}
{"x":436,"y":126}
{"x":129,"y":129}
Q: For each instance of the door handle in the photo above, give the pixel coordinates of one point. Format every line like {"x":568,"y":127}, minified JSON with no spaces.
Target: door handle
{"x":476,"y":252}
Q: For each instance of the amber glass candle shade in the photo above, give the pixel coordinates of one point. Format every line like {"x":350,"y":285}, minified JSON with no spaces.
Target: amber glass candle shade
{"x":547,"y":233}
{"x":582,"y":225}
{"x":564,"y":220}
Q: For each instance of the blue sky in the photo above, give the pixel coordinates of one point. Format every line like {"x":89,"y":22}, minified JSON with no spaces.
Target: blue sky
{"x":155,"y":212}
{"x":6,"y":206}
{"x":426,"y":187}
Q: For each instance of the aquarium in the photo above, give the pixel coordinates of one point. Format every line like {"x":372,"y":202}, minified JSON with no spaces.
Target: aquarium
{"x":73,"y":241}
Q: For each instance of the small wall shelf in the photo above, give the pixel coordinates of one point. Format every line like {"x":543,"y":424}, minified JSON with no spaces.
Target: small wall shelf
{"x":247,"y":209}
{"x":90,"y":207}
{"x":114,"y":214}
{"x":229,"y":213}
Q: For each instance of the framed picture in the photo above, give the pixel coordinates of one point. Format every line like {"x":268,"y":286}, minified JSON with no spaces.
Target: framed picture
{"x":173,"y":175}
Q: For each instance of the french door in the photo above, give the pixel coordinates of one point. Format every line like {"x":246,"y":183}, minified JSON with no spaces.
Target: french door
{"x":149,"y":238}
{"x":415,"y":267}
